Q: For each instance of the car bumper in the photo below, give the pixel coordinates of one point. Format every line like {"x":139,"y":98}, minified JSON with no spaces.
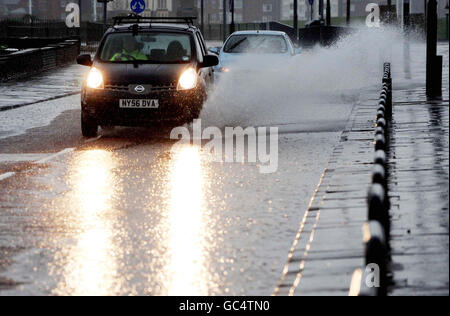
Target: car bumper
{"x":175,"y":106}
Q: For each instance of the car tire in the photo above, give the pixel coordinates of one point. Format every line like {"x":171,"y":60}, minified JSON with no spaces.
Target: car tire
{"x":89,"y":127}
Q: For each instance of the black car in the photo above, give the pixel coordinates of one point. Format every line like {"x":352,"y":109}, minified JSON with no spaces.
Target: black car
{"x":146,"y":70}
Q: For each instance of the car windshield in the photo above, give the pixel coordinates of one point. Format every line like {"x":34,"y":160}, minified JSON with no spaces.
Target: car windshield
{"x":256,"y":44}
{"x":149,"y":47}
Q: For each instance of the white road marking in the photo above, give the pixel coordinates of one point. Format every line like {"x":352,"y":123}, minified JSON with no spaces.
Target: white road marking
{"x":34,"y":157}
{"x":6,"y":175}
{"x":62,"y":152}
{"x":21,"y":157}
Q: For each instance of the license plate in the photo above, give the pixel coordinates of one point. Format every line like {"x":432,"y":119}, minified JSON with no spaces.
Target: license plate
{"x":139,"y":103}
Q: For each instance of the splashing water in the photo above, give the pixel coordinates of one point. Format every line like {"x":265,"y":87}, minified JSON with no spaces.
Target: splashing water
{"x":316,"y":87}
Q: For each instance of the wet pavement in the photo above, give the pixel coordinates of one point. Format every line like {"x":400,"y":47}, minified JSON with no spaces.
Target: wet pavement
{"x":328,"y":246}
{"x":132,"y":215}
{"x":46,"y":86}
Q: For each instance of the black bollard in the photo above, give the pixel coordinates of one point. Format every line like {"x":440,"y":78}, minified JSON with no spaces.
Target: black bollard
{"x":380,"y":158}
{"x":387,"y":89}
{"x":434,"y":67}
{"x":376,"y":252}
{"x":378,"y":206}
{"x":381,"y":123}
{"x":380,"y":114}
{"x":380,"y":142}
{"x":379,"y":176}
{"x":379,"y":131}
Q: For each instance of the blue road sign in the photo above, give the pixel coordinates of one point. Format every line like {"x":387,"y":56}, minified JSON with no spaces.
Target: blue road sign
{"x":137,"y":6}
{"x":231,"y":5}
{"x":311,"y":2}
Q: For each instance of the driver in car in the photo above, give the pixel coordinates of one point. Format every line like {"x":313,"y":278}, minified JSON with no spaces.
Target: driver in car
{"x":130,"y":51}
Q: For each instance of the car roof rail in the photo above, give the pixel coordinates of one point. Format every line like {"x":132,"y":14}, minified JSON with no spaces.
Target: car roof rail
{"x":135,"y":18}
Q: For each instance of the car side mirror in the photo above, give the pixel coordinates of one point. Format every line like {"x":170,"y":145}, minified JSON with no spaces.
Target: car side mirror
{"x":84,"y":60}
{"x":209,"y":61}
{"x":214,"y":50}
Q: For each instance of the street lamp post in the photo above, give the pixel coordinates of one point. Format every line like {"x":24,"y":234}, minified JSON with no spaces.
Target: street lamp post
{"x":446,"y":20}
{"x":224,"y":20}
{"x":105,"y":13}
{"x":202,"y":16}
{"x":79,"y":6}
{"x":232,"y":16}
{"x":94,"y":10}
{"x":296,"y":18}
{"x":328,"y":13}
{"x":348,"y":12}
{"x":79,"y":16}
{"x":321,"y":9}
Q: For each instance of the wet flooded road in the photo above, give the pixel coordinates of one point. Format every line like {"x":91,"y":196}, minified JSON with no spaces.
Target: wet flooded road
{"x":134,"y":213}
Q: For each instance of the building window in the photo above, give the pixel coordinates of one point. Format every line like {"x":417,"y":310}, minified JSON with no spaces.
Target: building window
{"x":267,"y":7}
{"x":162,"y":4}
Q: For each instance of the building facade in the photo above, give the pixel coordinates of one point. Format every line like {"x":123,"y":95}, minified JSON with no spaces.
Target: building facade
{"x":245,"y":11}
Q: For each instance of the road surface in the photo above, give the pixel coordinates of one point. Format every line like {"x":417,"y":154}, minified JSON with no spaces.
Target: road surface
{"x":134,"y":213}
{"x":128,"y":214}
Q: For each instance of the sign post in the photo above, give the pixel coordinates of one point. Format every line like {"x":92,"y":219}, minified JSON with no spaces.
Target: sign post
{"x":232,"y":16}
{"x":224,"y":20}
{"x":295,"y":22}
{"x":311,"y":3}
{"x":105,"y":10}
{"x":202,"y":15}
{"x":321,"y":10}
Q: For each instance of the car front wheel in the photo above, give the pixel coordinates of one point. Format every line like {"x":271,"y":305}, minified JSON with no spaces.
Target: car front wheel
{"x":89,"y":127}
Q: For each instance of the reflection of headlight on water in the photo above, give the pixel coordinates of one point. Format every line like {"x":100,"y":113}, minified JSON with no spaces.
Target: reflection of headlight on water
{"x":187,"y":231}
{"x":89,"y":266}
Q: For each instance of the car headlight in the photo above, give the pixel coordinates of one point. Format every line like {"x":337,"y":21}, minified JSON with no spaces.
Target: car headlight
{"x":188,"y":79}
{"x":224,"y":69}
{"x":95,"y":79}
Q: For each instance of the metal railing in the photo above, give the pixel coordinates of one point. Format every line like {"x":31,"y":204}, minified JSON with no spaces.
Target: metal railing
{"x":377,"y":229}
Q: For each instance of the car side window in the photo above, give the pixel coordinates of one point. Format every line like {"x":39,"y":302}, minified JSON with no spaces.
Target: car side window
{"x":198,"y":48}
{"x":202,"y":45}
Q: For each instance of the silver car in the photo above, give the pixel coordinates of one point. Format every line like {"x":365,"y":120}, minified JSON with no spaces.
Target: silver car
{"x":252,"y":50}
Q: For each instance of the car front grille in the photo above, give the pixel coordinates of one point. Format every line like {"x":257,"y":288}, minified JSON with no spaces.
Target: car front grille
{"x":116,"y":88}
{"x":126,"y":88}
